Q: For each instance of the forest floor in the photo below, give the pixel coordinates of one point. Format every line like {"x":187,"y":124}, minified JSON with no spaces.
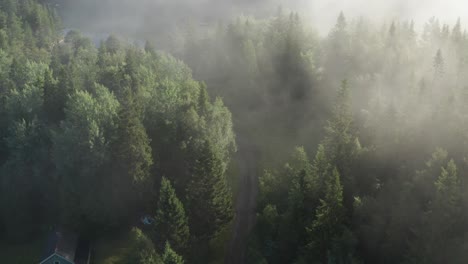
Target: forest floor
{"x":111,"y":249}
{"x":245,"y":205}
{"x":26,"y":253}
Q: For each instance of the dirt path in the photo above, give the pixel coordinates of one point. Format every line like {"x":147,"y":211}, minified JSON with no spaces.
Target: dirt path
{"x":245,"y":204}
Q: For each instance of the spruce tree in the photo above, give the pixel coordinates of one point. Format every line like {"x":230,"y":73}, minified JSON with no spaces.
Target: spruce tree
{"x":301,"y":173}
{"x":448,"y":200}
{"x":339,"y":128}
{"x":132,"y":143}
{"x":171,"y":222}
{"x":113,"y":44}
{"x":340,"y":144}
{"x":441,"y":226}
{"x":132,"y":159}
{"x":457,"y":35}
{"x":208,"y":195}
{"x":320,"y":168}
{"x":141,"y":249}
{"x":170,"y":256}
{"x":299,"y":211}
{"x":439,"y":65}
{"x":328,"y":234}
{"x":54,"y":99}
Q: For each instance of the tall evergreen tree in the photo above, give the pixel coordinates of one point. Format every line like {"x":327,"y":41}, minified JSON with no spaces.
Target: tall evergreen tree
{"x":141,"y":249}
{"x":338,"y":52}
{"x":457,"y":33}
{"x":439,"y":65}
{"x":54,"y":99}
{"x":170,"y":256}
{"x":208,"y":195}
{"x":328,"y":234}
{"x":440,"y":234}
{"x":340,"y":144}
{"x":131,"y":161}
{"x":320,"y":168}
{"x":171,"y":222}
{"x":23,"y":179}
{"x":132,"y":143}
{"x":83,"y":138}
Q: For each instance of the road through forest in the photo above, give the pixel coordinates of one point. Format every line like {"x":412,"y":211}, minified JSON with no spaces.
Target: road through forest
{"x":246,"y":203}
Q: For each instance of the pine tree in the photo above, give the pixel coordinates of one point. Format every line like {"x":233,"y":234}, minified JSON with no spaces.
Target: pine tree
{"x":132,"y":159}
{"x":54,"y":99}
{"x":341,"y":23}
{"x":18,"y":73}
{"x":208,"y":195}
{"x":440,"y":233}
{"x":22,"y":177}
{"x":329,"y":223}
{"x":171,"y":222}
{"x":299,"y":211}
{"x":439,"y":65}
{"x":339,"y":126}
{"x":449,"y":194}
{"x":113,"y":44}
{"x":84,"y":137}
{"x":340,"y":144}
{"x":141,"y":249}
{"x":170,"y":256}
{"x":338,"y":52}
{"x":301,"y":173}
{"x":150,"y":48}
{"x":130,"y":70}
{"x":132,"y":143}
{"x":457,"y":32}
{"x":320,"y":168}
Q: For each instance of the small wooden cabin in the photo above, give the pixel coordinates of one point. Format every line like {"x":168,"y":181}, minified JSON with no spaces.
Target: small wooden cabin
{"x":66,"y":248}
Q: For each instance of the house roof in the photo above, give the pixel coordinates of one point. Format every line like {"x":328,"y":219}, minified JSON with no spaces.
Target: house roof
{"x":62,"y":243}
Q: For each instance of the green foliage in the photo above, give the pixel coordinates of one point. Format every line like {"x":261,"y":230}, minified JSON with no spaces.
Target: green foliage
{"x":132,"y":153}
{"x":339,"y":141}
{"x":208,"y":195}
{"x":327,"y":232}
{"x":87,"y":134}
{"x":438,"y":65}
{"x":437,"y":238}
{"x":80,"y":130}
{"x":83,"y":138}
{"x":54,"y":99}
{"x":170,"y":256}
{"x":23,"y":171}
{"x":171,"y":222}
{"x":141,"y":250}
{"x":340,"y":144}
{"x":320,"y":168}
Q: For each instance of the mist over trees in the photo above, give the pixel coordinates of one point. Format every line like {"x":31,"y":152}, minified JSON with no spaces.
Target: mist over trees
{"x":359,"y":136}
{"x":389,"y":136}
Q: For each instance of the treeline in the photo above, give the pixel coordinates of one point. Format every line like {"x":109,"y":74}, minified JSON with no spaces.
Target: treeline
{"x":94,"y":138}
{"x":386,"y":181}
{"x":267,"y":73}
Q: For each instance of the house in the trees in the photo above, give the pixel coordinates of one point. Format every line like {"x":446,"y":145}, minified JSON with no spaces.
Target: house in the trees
{"x":66,"y":248}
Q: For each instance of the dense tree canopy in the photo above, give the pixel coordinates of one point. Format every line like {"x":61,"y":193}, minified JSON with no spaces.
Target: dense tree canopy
{"x":93,"y":137}
{"x":88,"y":133}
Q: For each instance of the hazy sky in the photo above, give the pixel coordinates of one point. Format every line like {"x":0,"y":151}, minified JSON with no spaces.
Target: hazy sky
{"x":323,"y":13}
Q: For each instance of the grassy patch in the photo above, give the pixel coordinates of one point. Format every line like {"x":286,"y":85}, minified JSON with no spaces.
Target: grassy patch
{"x":111,"y":249}
{"x":24,"y":253}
